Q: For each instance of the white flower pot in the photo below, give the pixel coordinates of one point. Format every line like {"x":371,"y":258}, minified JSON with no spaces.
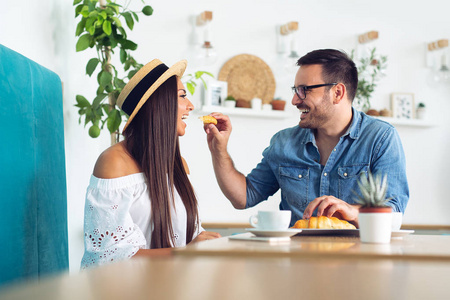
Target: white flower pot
{"x":421,"y":113}
{"x":375,"y":227}
{"x":230,"y":103}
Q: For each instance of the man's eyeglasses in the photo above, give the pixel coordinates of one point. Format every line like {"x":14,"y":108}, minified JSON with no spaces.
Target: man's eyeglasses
{"x":301,"y":89}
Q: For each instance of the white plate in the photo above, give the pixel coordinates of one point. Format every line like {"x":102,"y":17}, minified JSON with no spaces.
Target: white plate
{"x":273,"y":233}
{"x":252,"y":237}
{"x":338,"y":232}
{"x":348,"y":232}
{"x":400,"y":233}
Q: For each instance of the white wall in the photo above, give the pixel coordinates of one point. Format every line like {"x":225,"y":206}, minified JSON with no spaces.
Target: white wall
{"x":46,"y":35}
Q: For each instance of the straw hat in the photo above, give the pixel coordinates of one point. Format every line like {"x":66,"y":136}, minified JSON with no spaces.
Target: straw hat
{"x":142,"y":85}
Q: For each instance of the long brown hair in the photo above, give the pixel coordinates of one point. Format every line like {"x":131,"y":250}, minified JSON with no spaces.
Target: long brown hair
{"x":151,"y":139}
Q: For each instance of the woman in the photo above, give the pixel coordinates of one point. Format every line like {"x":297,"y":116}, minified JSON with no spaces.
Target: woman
{"x":139,"y":200}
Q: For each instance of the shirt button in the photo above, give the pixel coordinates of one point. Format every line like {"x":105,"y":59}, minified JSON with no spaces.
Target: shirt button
{"x":345,"y":174}
{"x":300,"y":176}
{"x":334,"y":149}
{"x":325,"y":174}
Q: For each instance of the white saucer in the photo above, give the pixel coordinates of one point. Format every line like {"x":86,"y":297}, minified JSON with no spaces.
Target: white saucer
{"x":400,"y":233}
{"x":273,"y":233}
{"x":251,"y":237}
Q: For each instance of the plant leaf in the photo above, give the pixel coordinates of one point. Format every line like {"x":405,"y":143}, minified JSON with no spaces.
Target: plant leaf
{"x":127,"y":44}
{"x":135,"y":16}
{"x":190,"y":87}
{"x":115,"y":7}
{"x":128,"y":19}
{"x":131,"y":73}
{"x":83,"y":42}
{"x":119,"y":83}
{"x":123,"y":55}
{"x":98,"y":100}
{"x":82,"y":102}
{"x":103,"y":15}
{"x":75,"y":2}
{"x":114,"y":120}
{"x":105,"y":79}
{"x":80,"y":27}
{"x":199,"y":74}
{"x":84,"y":11}
{"x":91,"y":65}
{"x":78,"y":9}
{"x":107,"y":27}
{"x":117,"y":21}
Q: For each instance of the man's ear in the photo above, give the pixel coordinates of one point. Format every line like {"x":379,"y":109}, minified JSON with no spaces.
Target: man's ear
{"x":339,"y":92}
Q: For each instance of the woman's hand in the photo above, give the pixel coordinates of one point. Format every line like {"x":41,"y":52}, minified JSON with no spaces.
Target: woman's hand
{"x":205,"y":235}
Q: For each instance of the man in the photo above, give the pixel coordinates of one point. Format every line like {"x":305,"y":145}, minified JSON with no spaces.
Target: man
{"x":317,"y":164}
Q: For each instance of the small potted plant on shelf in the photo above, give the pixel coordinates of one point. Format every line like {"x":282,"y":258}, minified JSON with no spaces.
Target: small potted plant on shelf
{"x":370,"y":70}
{"x":230,"y":101}
{"x":278,"y":104}
{"x":375,"y":216}
{"x":421,"y":111}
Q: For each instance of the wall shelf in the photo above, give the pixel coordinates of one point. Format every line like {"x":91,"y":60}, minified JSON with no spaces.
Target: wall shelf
{"x":407,"y":122}
{"x":278,"y":114}
{"x":248,"y":112}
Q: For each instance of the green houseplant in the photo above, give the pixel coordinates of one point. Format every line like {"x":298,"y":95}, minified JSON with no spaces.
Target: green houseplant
{"x":101,"y":28}
{"x":375,"y":216}
{"x":370,"y":71}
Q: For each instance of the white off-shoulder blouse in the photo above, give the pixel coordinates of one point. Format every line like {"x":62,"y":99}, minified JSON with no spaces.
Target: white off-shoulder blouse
{"x":117,"y":219}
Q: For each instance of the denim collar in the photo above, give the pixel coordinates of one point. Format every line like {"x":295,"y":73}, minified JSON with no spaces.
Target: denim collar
{"x":353,"y":130}
{"x":355,"y":127}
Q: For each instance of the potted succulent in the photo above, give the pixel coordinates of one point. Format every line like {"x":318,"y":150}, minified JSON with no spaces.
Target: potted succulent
{"x":375,"y":216}
{"x":278,"y":104}
{"x":230,"y":101}
{"x":421,"y":111}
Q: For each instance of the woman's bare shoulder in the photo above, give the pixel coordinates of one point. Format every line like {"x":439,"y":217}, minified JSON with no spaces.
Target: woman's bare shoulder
{"x":115,"y":162}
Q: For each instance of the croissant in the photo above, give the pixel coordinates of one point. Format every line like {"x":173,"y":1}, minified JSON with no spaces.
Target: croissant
{"x":208,"y":119}
{"x":323,"y":222}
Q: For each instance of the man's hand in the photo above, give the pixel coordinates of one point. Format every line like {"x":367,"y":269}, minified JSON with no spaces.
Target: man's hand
{"x":231,"y":182}
{"x":218,"y":135}
{"x":205,"y":235}
{"x":330,"y":206}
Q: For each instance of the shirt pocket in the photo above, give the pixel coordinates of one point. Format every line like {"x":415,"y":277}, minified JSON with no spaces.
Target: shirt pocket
{"x":348,"y":181}
{"x":294,"y":183}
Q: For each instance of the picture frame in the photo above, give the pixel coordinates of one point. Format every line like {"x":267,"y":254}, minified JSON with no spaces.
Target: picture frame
{"x":216,"y":92}
{"x":402,"y":105}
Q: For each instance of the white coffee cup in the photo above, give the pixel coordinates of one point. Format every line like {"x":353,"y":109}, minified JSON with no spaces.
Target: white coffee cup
{"x":271,"y":220}
{"x":396,"y":220}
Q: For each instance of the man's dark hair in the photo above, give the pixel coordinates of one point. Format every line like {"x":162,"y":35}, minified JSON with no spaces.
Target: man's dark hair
{"x":336,"y":67}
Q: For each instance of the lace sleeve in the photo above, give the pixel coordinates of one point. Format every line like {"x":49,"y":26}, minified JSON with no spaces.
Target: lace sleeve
{"x":109,"y":231}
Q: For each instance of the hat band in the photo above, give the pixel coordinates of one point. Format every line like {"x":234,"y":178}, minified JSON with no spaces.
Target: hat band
{"x":139,"y":90}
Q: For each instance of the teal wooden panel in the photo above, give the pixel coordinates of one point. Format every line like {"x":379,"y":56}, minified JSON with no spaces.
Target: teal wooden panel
{"x":33,"y":196}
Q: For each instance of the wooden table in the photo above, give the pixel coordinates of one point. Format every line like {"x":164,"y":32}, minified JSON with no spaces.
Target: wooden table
{"x":424,"y":247}
{"x":217,"y":278}
{"x":414,"y":267}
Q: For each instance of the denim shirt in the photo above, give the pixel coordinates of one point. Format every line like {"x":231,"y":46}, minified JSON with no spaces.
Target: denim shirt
{"x":291,"y":163}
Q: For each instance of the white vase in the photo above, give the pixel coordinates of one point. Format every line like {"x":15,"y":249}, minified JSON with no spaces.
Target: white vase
{"x":375,"y":227}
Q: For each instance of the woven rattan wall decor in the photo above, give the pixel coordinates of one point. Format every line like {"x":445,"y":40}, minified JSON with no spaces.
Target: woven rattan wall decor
{"x":248,"y":76}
